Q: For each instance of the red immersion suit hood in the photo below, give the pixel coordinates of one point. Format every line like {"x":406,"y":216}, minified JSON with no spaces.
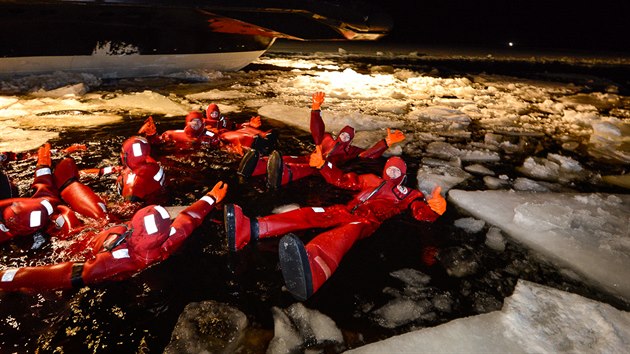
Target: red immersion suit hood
{"x":190,"y":130}
{"x":212,"y":108}
{"x":25,"y":218}
{"x":347,"y":129}
{"x":151,"y":227}
{"x":135,"y":152}
{"x":398,"y":162}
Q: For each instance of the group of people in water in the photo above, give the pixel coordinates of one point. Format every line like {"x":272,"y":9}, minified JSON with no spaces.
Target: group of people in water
{"x":113,"y":249}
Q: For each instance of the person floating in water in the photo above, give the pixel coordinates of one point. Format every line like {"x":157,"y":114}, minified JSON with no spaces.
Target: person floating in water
{"x":120,"y":251}
{"x":141,"y":180}
{"x":306,"y":268}
{"x":192,"y":137}
{"x":246,"y":134}
{"x":44,"y":212}
{"x":200,"y":131}
{"x":281,"y":170}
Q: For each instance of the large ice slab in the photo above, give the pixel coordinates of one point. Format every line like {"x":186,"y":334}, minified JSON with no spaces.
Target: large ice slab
{"x":587,"y":233}
{"x":535,"y":319}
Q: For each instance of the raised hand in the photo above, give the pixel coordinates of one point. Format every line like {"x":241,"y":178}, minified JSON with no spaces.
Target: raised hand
{"x":318,"y":99}
{"x":219,"y":191}
{"x":394,"y":137}
{"x":436,"y":201}
{"x":317,"y":158}
{"x":255,"y":122}
{"x":148,"y":128}
{"x":43,"y":155}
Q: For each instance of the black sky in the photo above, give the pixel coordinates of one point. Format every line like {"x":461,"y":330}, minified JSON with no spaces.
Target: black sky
{"x":595,"y":26}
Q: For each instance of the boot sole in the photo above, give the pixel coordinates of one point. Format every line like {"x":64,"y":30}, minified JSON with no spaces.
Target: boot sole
{"x":248,"y":164}
{"x":274,"y":171}
{"x":295,"y":267}
{"x":230,"y":226}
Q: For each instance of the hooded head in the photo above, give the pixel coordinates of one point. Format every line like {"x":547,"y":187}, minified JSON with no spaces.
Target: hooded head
{"x":151,"y":226}
{"x":346,"y":135}
{"x":194,"y":124}
{"x":213,"y":112}
{"x":25,"y":217}
{"x":395,"y":170}
{"x":135,"y":152}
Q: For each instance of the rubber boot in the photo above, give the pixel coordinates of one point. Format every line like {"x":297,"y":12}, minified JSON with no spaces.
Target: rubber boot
{"x":248,"y":163}
{"x":275,"y":167}
{"x":238,"y":227}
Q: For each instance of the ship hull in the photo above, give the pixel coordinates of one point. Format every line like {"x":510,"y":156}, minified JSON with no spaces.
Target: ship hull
{"x":120,"y":38}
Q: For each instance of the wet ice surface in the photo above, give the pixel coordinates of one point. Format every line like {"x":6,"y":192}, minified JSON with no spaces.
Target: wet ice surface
{"x":529,"y":126}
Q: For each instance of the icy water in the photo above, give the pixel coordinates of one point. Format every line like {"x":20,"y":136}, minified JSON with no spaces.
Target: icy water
{"x":457,"y":111}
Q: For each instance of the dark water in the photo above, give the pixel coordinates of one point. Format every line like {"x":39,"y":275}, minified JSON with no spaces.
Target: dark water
{"x":138,"y":315}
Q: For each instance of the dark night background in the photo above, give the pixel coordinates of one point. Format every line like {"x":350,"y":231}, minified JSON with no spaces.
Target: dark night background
{"x":552,"y":25}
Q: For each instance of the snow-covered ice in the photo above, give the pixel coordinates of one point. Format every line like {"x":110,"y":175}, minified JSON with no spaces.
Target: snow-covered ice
{"x":535,"y":319}
{"x":587,"y":233}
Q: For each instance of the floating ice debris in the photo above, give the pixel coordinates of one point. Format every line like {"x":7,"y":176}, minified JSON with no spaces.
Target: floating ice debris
{"x":618,"y":180}
{"x":526,"y":184}
{"x":496,"y":183}
{"x":401,"y":311}
{"x":535,"y":319}
{"x":207,"y":327}
{"x":495,"y":239}
{"x":470,"y":225}
{"x":444,"y":176}
{"x":479,"y":170}
{"x":412,"y":277}
{"x":588,"y":233}
{"x":610,"y":140}
{"x":298,"y":328}
{"x":447,"y":151}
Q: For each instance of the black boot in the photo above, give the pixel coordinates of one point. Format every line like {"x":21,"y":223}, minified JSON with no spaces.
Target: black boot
{"x":296,"y":269}
{"x":275,"y":166}
{"x":248,"y":163}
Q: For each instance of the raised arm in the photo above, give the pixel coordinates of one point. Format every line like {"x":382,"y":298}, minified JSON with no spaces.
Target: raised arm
{"x":191,"y":217}
{"x":317,"y":123}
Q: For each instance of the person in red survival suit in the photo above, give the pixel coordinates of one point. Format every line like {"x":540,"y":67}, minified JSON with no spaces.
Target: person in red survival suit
{"x":191,"y":137}
{"x":119,"y":251}
{"x":33,"y":216}
{"x":281,"y":170}
{"x":246,"y":135}
{"x":306,"y":268}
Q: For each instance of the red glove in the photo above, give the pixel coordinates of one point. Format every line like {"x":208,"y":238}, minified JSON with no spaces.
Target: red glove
{"x":73,"y":148}
{"x":43,"y":156}
{"x":394,"y":137}
{"x":436,"y":201}
{"x":255,"y":122}
{"x":148,"y":128}
{"x":219,"y":191}
{"x":317,"y":159}
{"x":318,"y":99}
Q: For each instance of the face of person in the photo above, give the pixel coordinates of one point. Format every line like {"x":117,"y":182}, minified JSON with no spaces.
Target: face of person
{"x":393,"y":172}
{"x":214,"y":114}
{"x":344,"y":137}
{"x":195,"y":124}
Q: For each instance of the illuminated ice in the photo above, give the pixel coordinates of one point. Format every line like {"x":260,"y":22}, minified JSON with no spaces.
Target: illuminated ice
{"x":535,"y":319}
{"x":587,"y":233}
{"x":298,"y":327}
{"x":470,"y":225}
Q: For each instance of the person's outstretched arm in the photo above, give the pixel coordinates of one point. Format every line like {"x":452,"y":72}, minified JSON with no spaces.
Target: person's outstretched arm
{"x":191,"y":217}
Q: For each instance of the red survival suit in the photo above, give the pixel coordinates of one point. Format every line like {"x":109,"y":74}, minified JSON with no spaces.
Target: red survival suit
{"x":119,"y":251}
{"x":28,"y":216}
{"x":191,"y":137}
{"x":306,"y":268}
{"x":281,"y":170}
{"x":141,"y":179}
{"x":246,"y":135}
